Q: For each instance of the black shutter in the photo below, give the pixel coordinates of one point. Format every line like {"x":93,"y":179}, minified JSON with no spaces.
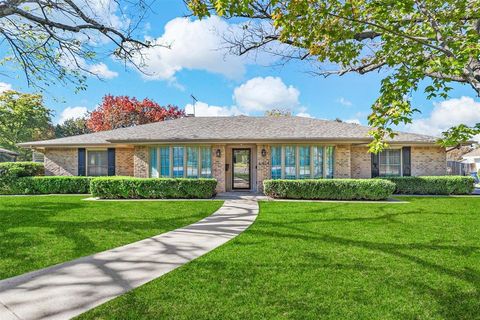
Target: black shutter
{"x":375,"y":169}
{"x":81,"y":161}
{"x":407,"y":161}
{"x":111,"y":161}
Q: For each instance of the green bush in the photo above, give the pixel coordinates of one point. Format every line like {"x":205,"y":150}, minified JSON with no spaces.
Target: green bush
{"x":48,"y":185}
{"x":10,"y":170}
{"x":437,"y":185}
{"x":329,"y":189}
{"x":152,"y":188}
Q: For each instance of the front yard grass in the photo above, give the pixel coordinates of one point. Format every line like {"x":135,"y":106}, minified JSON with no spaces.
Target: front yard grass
{"x":419,"y":260}
{"x":39,"y":231}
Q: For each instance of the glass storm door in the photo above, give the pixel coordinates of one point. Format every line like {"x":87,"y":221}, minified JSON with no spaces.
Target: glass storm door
{"x":241,"y":169}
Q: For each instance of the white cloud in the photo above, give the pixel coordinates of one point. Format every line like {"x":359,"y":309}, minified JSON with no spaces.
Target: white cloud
{"x":5,"y":86}
{"x":193,"y":45}
{"x":261,"y":94}
{"x":203,"y":109}
{"x":344,"y":102}
{"x":304,"y":115}
{"x":356,"y":121}
{"x":447,"y":114}
{"x":101,"y":70}
{"x":72,"y":113}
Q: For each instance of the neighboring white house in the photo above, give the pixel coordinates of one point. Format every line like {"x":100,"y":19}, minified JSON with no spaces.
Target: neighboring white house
{"x":472,"y":159}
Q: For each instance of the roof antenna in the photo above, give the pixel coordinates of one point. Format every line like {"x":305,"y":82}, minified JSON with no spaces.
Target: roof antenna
{"x":194,"y":101}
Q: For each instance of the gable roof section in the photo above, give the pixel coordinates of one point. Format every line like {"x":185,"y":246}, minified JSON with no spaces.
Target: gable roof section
{"x":473,"y":154}
{"x":239,"y":128}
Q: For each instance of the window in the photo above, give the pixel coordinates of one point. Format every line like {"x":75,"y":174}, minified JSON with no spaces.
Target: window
{"x":97,"y":163}
{"x":276,"y":160}
{"x":330,"y":161}
{"x":164,"y":162}
{"x":304,"y":162}
{"x":318,"y":155}
{"x":206,"y":154}
{"x":290,"y":162}
{"x":179,"y":162}
{"x":390,"y":163}
{"x":153,"y":163}
{"x":192,"y":162}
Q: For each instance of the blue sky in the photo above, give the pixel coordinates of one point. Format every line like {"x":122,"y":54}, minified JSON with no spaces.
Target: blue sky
{"x":227,"y":85}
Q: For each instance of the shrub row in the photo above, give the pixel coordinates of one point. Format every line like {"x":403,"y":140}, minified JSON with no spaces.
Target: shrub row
{"x":329,"y":189}
{"x":152,"y":188}
{"x":9,"y":170}
{"x":437,"y":185}
{"x":48,"y":185}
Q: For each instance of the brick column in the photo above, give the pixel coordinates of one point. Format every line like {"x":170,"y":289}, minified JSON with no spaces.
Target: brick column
{"x":361,"y":163}
{"x":263,"y":166}
{"x":342,"y":167}
{"x":124,"y":161}
{"x":140,"y":162}
{"x":218,"y":167}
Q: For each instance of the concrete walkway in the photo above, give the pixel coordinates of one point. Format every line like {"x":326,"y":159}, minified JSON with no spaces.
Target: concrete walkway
{"x":66,"y":290}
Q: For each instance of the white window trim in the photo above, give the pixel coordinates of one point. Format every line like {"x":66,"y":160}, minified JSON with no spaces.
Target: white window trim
{"x":170,"y":154}
{"x":297,"y":159}
{"x":87,"y":162}
{"x":401,"y":160}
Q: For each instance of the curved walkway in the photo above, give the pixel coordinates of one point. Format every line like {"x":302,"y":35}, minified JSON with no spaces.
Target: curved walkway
{"x":66,"y":290}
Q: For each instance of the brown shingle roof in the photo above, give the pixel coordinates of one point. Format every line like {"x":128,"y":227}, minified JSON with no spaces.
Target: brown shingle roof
{"x":473,"y":153}
{"x":240,"y":128}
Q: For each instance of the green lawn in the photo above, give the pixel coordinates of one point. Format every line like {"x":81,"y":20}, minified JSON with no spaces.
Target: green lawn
{"x":419,"y":260}
{"x":37,"y":232}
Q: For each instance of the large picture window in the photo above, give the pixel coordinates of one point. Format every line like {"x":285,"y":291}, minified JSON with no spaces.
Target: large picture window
{"x":390,"y":163}
{"x":180,"y":162}
{"x":276,"y":154}
{"x":97,"y":163}
{"x":290,"y":162}
{"x":302,"y":162}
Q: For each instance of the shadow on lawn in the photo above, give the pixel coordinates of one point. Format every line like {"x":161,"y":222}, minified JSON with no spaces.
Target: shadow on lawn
{"x":20,"y":231}
{"x":454,"y":302}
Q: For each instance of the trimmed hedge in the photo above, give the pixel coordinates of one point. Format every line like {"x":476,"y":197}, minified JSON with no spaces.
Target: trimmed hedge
{"x":329,"y":189}
{"x":48,"y":185}
{"x":10,"y":170}
{"x":436,"y":185}
{"x":152,"y":188}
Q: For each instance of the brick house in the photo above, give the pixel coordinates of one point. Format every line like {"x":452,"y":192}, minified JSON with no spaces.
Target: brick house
{"x":241,"y":152}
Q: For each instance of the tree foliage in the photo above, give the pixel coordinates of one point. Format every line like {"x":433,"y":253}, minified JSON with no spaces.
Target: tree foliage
{"x":278,"y":113}
{"x":57,"y":39}
{"x":71,"y":127}
{"x":123,"y":111}
{"x":413,"y":40}
{"x":23,"y":117}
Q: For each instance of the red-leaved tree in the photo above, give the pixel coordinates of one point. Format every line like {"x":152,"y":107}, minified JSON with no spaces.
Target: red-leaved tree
{"x":123,"y":111}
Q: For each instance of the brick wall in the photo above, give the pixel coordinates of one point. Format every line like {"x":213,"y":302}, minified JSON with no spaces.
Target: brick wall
{"x":140,"y":162}
{"x":61,"y":162}
{"x":263,"y":166}
{"x":218,"y":167}
{"x":361,"y":164}
{"x":429,"y":161}
{"x":342,"y":156}
{"x":124,"y":161}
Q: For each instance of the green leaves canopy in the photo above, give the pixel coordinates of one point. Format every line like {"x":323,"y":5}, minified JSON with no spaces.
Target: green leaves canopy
{"x":413,"y":39}
{"x":23,"y":117}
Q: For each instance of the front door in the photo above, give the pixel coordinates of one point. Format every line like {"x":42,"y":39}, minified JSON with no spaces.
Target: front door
{"x":241,"y":169}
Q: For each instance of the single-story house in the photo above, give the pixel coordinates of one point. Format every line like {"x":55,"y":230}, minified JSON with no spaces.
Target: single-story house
{"x":241,"y":152}
{"x":8,"y":155}
{"x":472,"y":160}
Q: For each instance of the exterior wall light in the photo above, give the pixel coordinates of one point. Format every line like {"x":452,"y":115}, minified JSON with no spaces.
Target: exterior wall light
{"x":218,"y":153}
{"x":264,"y":152}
